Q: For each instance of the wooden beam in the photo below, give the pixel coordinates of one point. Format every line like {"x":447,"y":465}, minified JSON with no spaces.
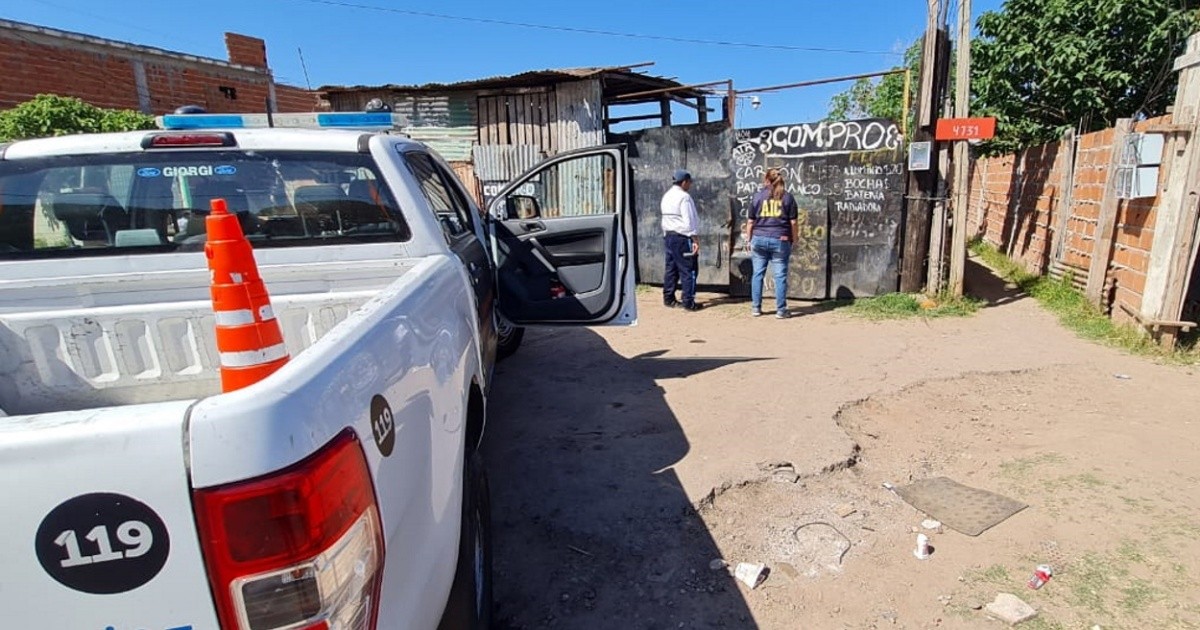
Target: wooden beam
{"x":668,"y":90}
{"x":621,"y":119}
{"x":1106,"y":225}
{"x":1069,"y":148}
{"x":962,"y":151}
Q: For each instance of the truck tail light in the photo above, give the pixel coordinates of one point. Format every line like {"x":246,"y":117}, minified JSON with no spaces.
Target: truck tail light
{"x":298,"y":549}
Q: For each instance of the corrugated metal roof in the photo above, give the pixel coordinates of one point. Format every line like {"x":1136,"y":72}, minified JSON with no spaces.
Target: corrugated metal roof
{"x":532,"y":78}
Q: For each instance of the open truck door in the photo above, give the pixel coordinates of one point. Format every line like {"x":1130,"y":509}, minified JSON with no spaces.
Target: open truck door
{"x":563,"y":238}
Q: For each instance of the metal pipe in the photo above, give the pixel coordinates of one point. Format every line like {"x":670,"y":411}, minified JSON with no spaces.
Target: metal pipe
{"x":775,"y":88}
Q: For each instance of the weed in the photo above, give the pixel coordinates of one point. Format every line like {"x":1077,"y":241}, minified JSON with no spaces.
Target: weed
{"x":1021,"y":467}
{"x":1076,"y":312}
{"x":1138,"y":595}
{"x":905,"y":305}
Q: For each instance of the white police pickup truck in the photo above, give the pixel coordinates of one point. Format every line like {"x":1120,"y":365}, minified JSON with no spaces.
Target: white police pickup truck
{"x":344,"y":491}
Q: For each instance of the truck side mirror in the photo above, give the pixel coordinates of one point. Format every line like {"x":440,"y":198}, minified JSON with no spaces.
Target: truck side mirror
{"x":522,"y":207}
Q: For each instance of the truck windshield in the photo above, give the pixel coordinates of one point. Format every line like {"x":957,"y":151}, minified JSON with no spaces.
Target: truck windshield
{"x":157,"y":201}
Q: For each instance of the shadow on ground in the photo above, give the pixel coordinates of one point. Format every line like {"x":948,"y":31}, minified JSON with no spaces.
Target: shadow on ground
{"x":592,"y":528}
{"x":981,"y":282}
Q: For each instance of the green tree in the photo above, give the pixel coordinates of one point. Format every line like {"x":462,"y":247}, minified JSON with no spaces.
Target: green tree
{"x":1044,"y":66}
{"x":53,"y":115}
{"x":881,"y":97}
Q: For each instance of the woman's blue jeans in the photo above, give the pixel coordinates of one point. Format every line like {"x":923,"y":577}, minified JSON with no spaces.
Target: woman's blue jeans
{"x":778,"y":252}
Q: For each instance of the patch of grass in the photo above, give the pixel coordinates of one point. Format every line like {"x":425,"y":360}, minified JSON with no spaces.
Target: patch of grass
{"x":1138,"y":595}
{"x":905,"y":305}
{"x":646,"y":288}
{"x":1075,"y":312}
{"x":1022,"y":466}
{"x":1042,"y":623}
{"x":1090,"y":579}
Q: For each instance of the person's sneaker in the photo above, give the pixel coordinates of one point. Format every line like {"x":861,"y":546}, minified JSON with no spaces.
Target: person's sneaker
{"x":756,"y":312}
{"x":692,"y":307}
{"x":671,"y":304}
{"x":783,"y":315}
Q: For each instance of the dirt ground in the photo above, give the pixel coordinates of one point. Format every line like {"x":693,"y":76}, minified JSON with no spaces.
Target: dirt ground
{"x":625,"y":461}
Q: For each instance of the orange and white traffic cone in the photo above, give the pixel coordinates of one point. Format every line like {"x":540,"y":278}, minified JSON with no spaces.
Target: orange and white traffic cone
{"x":249,"y":340}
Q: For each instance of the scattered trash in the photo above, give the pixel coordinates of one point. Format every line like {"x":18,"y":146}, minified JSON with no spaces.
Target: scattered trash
{"x":922,"y":551}
{"x":698,"y":341}
{"x":889,"y":487}
{"x":717,"y":565}
{"x":932,"y":524}
{"x":975,"y":606}
{"x":845,"y":510}
{"x":1123,"y":377}
{"x":581,"y":551}
{"x":750,"y":574}
{"x":1010,"y":609}
{"x":890,"y":616}
{"x":1041,"y":575}
{"x":945,"y":599}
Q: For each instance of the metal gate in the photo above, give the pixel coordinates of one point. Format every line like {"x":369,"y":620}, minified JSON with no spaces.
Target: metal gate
{"x":847,"y":177}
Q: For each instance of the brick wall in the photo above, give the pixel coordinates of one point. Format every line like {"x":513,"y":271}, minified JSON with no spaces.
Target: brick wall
{"x":1017,"y":202}
{"x":106,"y":73}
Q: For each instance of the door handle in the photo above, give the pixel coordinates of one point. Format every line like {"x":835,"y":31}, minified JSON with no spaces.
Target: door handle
{"x":533,"y":226}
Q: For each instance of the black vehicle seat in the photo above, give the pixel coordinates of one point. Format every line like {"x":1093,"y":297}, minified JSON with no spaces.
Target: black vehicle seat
{"x":204,"y":191}
{"x":320,"y":206}
{"x":92,"y":218}
{"x":366,"y":207}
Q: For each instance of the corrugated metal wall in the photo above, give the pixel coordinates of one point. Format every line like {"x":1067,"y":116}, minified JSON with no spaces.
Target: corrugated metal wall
{"x":505,"y":133}
{"x":523,"y":117}
{"x":578,"y":123}
{"x":501,"y":163}
{"x":446,"y":122}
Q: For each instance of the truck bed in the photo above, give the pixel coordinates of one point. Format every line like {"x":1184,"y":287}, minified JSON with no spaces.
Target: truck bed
{"x":87,"y":332}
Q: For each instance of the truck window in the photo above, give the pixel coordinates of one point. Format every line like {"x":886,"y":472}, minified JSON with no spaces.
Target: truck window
{"x":447,"y":202}
{"x":158,"y":201}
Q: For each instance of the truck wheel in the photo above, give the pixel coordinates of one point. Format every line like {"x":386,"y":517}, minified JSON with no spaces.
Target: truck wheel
{"x":470,"y":603}
{"x":509,"y":339}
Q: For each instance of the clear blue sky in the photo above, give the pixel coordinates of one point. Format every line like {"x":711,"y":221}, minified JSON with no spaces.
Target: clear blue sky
{"x":344,"y":45}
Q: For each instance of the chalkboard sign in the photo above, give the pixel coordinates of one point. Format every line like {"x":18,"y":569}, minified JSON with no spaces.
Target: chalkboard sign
{"x":848,"y":181}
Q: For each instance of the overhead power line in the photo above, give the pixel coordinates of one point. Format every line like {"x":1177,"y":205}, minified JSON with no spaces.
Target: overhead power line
{"x":592,"y":31}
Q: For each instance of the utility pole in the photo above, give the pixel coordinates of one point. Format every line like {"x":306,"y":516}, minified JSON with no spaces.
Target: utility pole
{"x":923,"y":185}
{"x":962,"y":163}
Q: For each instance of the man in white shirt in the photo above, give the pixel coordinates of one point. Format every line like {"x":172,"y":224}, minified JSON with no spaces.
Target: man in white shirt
{"x":680,"y":224}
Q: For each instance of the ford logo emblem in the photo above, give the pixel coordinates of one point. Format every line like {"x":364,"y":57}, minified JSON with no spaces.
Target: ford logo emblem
{"x":224,"y":170}
{"x":148,"y":172}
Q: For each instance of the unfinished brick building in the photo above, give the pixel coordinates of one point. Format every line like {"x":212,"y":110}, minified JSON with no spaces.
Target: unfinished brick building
{"x":107,"y":73}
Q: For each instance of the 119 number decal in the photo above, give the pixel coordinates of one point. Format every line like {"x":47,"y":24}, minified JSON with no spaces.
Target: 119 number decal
{"x":135,"y":535}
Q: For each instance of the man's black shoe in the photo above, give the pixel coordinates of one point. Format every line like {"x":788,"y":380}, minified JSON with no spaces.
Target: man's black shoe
{"x":671,"y":304}
{"x":692,"y":307}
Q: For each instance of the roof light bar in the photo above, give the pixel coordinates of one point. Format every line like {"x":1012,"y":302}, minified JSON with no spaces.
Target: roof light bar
{"x":330,"y":120}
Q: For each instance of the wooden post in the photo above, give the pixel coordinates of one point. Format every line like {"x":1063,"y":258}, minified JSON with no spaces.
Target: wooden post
{"x":922,"y":186}
{"x":1174,"y":248}
{"x":907,"y":103}
{"x":664,"y":109}
{"x":730,"y":104}
{"x":962,"y":151}
{"x":702,"y":108}
{"x":1066,"y":198}
{"x":1102,"y":246}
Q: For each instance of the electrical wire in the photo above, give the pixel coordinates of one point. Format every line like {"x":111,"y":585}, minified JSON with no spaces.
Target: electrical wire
{"x":590,"y":31}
